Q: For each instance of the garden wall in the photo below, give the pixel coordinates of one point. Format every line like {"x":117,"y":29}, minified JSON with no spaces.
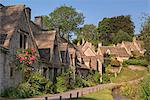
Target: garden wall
{"x":2,"y":65}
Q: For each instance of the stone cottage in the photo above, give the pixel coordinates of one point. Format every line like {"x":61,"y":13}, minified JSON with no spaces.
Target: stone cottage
{"x":87,"y":59}
{"x":15,"y":33}
{"x":57,"y":54}
{"x":135,"y":45}
{"x":118,"y":52}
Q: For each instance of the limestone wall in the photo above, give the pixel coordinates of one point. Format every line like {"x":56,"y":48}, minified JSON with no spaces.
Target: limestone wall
{"x":2,"y":61}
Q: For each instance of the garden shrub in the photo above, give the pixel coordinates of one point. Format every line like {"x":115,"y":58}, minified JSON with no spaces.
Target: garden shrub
{"x":40,"y":83}
{"x":140,"y":62}
{"x":60,"y":84}
{"x":65,"y":81}
{"x":78,"y":82}
{"x":106,"y":78}
{"x":35,"y":85}
{"x":145,"y":88}
{"x":93,"y":76}
{"x":9,"y":92}
{"x":130,"y":90}
{"x":91,"y":79}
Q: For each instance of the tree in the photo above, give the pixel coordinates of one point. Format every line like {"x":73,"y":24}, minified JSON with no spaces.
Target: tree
{"x":108,"y":28}
{"x":121,"y":36}
{"x":145,"y":34}
{"x":66,"y":18}
{"x":88,"y":33}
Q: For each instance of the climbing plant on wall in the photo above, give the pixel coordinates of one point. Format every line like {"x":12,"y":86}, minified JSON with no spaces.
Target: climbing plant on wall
{"x":25,"y":59}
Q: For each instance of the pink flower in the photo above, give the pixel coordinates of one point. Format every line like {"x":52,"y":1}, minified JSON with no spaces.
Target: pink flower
{"x":22,"y":59}
{"x":27,"y":53}
{"x":33,"y":50}
{"x":32,"y":58}
{"x":30,"y":63}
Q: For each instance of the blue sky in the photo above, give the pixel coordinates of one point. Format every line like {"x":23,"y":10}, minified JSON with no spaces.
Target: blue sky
{"x":93,"y":10}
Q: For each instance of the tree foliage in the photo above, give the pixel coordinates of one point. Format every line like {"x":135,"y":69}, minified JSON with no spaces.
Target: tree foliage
{"x":87,"y":33}
{"x":108,"y":28}
{"x":121,"y":36}
{"x":145,"y":36}
{"x":66,"y":18}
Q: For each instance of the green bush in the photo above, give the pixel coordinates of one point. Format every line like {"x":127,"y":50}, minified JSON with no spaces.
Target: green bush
{"x":145,"y":88}
{"x":35,"y":85}
{"x":92,"y":79}
{"x":141,"y":62}
{"x":130,"y":90}
{"x":78,"y":82}
{"x":9,"y":92}
{"x":60,"y":84}
{"x":40,"y":83}
{"x":64,"y":82}
{"x":106,"y":78}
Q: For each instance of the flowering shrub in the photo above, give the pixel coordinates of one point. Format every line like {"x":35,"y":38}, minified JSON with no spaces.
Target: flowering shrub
{"x":26,"y":57}
{"x":24,"y":61}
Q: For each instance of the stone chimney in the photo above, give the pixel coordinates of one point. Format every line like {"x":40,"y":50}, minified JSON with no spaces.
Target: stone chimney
{"x":39,"y":21}
{"x":28,"y":12}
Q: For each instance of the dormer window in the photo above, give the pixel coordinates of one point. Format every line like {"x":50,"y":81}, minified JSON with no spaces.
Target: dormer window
{"x":2,"y":38}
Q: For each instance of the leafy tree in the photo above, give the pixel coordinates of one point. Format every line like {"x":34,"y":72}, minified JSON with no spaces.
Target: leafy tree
{"x":145,"y":36}
{"x":87,"y":33}
{"x":121,"y":36}
{"x":66,"y":18}
{"x":108,"y":28}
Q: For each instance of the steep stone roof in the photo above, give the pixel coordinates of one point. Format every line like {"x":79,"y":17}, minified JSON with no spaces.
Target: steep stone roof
{"x":117,"y":51}
{"x":45,"y":39}
{"x":9,"y":19}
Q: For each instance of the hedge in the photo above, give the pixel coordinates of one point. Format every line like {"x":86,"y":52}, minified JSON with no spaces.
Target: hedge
{"x":141,"y":62}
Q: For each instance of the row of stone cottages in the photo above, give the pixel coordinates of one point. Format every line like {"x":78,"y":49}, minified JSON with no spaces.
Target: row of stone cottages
{"x":56,"y":53}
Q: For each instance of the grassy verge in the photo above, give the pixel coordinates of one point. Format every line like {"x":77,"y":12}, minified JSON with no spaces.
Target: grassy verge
{"x":100,"y":95}
{"x":127,"y":75}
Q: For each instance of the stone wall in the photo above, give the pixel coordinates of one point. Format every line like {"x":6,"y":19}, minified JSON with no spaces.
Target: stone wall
{"x":2,"y":64}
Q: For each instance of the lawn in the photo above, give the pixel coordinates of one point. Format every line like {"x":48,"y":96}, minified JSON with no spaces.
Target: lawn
{"x":99,"y":95}
{"x":127,"y":75}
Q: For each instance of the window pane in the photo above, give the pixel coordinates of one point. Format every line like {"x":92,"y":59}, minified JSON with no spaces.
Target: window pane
{"x":21,"y":40}
{"x":45,"y":54}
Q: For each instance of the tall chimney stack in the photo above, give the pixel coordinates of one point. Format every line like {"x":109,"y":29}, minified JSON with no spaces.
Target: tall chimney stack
{"x":28,"y":11}
{"x":39,"y":21}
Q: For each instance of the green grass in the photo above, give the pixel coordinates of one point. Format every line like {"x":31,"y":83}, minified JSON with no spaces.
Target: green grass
{"x":127,"y":75}
{"x":100,"y":95}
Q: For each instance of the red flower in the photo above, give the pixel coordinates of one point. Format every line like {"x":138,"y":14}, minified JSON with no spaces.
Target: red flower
{"x":30,"y":63}
{"x":32,"y":58}
{"x":27,"y":53}
{"x":22,"y":59}
{"x":33,"y":50}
